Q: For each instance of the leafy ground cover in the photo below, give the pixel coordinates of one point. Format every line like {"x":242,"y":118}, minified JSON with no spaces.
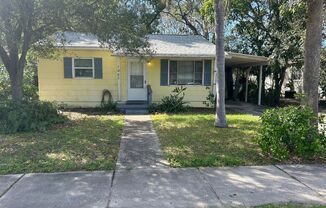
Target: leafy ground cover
{"x":191,"y":140}
{"x":85,"y":142}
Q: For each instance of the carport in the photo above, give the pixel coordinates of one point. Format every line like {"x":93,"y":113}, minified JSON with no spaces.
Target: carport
{"x":246,"y":63}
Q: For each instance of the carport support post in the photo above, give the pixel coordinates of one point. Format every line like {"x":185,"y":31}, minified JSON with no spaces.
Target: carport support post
{"x":247,"y":85}
{"x":260,"y":83}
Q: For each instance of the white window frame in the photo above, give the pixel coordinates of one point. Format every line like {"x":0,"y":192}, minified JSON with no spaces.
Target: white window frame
{"x":74,"y":68}
{"x":193,"y":60}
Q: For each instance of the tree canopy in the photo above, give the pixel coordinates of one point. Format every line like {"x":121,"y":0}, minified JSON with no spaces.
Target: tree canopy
{"x":272,"y":29}
{"x":30,"y":24}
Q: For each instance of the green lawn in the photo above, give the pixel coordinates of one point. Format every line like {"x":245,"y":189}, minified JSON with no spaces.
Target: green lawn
{"x":84,"y":143}
{"x":191,"y":140}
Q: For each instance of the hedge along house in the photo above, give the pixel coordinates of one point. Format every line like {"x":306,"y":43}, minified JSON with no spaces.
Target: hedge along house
{"x":84,"y":69}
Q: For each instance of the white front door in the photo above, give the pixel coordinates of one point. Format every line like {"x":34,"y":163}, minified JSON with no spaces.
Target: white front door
{"x":136,"y":80}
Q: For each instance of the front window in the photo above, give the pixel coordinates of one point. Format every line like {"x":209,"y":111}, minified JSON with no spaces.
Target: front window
{"x":186,"y":72}
{"x":83,"y":68}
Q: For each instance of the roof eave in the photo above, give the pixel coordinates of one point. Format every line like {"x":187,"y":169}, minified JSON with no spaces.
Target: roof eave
{"x":85,"y":48}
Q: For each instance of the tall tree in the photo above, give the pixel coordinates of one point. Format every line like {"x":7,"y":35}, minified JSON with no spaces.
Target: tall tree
{"x":272,"y":29}
{"x":220,"y":65}
{"x":189,"y":17}
{"x":312,"y":53}
{"x":23,"y":23}
{"x":28,"y":24}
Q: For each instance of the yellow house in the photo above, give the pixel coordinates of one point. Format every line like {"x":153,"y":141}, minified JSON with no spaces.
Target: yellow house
{"x":84,"y":69}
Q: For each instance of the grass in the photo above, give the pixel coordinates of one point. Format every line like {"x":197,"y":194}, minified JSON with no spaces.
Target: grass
{"x":86,"y":142}
{"x":191,"y":140}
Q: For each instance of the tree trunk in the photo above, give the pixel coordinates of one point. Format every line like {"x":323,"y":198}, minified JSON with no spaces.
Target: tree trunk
{"x":312,"y":53}
{"x":279,"y":80}
{"x":16,"y":81}
{"x":220,"y":65}
{"x":229,"y":83}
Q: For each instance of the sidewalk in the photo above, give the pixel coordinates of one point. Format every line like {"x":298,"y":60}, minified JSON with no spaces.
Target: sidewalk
{"x":143,"y":179}
{"x":166,"y":187}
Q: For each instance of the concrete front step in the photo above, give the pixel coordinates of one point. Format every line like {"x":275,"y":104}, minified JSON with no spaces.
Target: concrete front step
{"x":134,"y":107}
{"x":136,"y":111}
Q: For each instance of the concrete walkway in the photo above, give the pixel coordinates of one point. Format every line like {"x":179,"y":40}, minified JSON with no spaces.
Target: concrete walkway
{"x":143,"y":179}
{"x":166,"y":187}
{"x":140,"y":147}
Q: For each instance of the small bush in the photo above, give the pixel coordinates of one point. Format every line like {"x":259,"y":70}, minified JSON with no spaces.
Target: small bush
{"x":288,"y":132}
{"x":109,"y":106}
{"x":210,"y":99}
{"x":107,"y":103}
{"x":174,"y":103}
{"x":28,"y":116}
{"x":154,"y":108}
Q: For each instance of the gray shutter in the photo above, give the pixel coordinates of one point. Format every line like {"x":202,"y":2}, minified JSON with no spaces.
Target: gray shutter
{"x":207,"y":72}
{"x":98,"y":68}
{"x":67,"y":65}
{"x":164,"y":72}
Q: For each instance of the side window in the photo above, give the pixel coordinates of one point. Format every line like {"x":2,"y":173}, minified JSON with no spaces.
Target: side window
{"x":186,"y":72}
{"x":173,"y":73}
{"x":83,"y":67}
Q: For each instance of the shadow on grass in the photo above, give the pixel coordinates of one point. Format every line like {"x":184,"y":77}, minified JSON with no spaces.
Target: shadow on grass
{"x":85,"y":143}
{"x":191,"y":140}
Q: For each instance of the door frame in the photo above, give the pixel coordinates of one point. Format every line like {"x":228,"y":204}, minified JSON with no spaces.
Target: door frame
{"x":129,"y":60}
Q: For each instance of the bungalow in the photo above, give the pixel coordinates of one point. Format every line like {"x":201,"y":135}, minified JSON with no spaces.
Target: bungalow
{"x":78,"y":76}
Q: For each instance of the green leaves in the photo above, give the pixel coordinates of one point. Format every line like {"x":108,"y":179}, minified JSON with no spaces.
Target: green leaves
{"x":272,"y":29}
{"x":207,"y":11}
{"x":288,"y":132}
{"x":28,"y":116}
{"x":174,"y":103}
{"x":119,"y":25}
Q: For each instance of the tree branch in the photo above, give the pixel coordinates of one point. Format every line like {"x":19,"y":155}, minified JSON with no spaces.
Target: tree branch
{"x":156,"y":15}
{"x":5,"y":58}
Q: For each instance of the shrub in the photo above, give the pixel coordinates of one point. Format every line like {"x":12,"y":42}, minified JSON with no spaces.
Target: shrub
{"x":28,"y":116}
{"x":109,"y":106}
{"x":210,"y":99}
{"x":174,"y":103}
{"x":107,"y":103}
{"x":154,"y":108}
{"x":288,"y":131}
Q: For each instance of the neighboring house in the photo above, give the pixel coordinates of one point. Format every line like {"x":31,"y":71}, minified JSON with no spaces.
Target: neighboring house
{"x":84,"y":69}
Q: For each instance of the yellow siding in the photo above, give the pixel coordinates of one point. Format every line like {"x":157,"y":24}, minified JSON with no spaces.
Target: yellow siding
{"x":88,"y":92}
{"x":76,"y":92}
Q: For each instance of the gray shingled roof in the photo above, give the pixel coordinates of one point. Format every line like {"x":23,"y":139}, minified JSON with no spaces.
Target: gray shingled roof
{"x":79,"y":40}
{"x":169,"y":46}
{"x":162,"y":45}
{"x":181,"y":46}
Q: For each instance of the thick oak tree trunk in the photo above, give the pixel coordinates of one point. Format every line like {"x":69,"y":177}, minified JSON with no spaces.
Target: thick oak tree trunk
{"x":312,"y":53}
{"x":220,"y":65}
{"x":16,"y":81}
